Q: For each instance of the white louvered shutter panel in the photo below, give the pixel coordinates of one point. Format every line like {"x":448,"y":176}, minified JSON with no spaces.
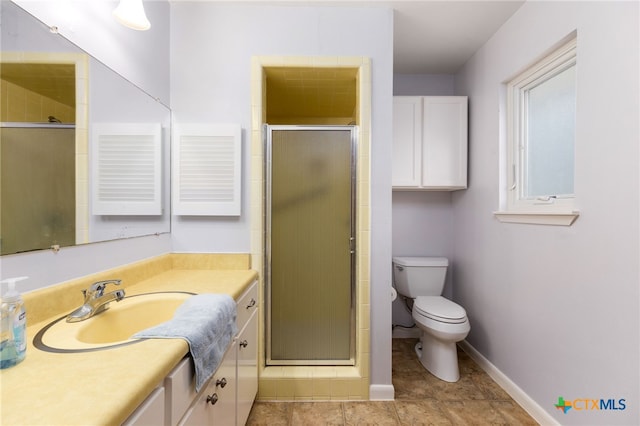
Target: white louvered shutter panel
{"x":126,"y":167}
{"x":206,"y":169}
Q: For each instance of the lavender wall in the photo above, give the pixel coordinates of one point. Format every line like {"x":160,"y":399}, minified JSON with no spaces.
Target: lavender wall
{"x":556,"y":309}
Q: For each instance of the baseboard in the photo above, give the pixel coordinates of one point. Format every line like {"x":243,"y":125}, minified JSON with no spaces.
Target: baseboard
{"x":381,"y":392}
{"x":525,"y":401}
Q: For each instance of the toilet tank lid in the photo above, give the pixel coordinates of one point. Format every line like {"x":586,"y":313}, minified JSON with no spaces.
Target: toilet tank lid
{"x":421,"y":261}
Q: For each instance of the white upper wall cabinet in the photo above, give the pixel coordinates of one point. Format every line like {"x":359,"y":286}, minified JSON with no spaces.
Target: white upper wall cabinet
{"x":429,"y":143}
{"x":206,"y":170}
{"x":126,"y":167}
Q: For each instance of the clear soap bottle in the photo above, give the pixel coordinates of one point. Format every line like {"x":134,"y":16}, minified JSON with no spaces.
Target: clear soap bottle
{"x":13,"y":326}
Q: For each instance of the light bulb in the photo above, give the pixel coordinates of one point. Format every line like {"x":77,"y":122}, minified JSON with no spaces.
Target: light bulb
{"x":130,"y":13}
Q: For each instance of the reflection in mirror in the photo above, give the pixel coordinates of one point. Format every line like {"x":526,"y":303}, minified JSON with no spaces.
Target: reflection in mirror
{"x":54,"y":96}
{"x":38,"y":181}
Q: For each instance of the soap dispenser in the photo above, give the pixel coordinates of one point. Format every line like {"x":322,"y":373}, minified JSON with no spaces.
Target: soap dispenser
{"x":13,"y":336}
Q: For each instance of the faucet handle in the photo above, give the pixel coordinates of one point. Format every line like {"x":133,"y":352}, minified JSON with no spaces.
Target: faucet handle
{"x":97,"y":288}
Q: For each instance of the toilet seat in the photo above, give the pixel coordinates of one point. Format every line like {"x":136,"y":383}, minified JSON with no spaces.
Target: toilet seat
{"x":438,"y":308}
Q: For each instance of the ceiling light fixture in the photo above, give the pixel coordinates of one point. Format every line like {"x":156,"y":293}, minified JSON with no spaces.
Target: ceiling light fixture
{"x":130,"y":13}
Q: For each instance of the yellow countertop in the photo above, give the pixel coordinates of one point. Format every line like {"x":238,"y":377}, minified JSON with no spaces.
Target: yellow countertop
{"x":104,"y":387}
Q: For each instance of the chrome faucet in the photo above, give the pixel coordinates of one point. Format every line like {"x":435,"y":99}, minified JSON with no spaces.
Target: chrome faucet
{"x":95,"y":300}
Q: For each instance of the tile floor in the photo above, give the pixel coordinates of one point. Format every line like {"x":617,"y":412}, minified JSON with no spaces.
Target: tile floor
{"x":421,"y":399}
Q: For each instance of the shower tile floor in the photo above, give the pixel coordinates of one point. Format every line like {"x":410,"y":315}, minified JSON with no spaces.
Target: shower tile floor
{"x":421,"y":399}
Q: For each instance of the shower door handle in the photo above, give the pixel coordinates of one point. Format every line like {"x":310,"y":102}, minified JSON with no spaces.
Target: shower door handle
{"x":352,"y":245}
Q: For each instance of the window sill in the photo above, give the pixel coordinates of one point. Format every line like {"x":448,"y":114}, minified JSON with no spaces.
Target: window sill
{"x":538,"y":218}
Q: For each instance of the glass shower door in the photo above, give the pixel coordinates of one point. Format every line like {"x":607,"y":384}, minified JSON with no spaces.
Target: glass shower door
{"x":310,"y":245}
{"x":38,"y":187}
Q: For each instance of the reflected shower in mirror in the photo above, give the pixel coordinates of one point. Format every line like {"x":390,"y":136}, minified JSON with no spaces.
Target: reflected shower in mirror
{"x":55,"y":166}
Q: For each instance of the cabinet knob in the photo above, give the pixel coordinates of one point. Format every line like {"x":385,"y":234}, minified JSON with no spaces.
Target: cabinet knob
{"x":244,"y":344}
{"x":252,"y":303}
{"x":212,"y":399}
{"x":221,"y":382}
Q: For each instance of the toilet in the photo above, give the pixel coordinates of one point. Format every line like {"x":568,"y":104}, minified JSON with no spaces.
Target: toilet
{"x":441,"y":321}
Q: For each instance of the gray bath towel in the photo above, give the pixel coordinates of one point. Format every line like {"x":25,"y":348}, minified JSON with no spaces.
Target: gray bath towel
{"x":208,"y":323}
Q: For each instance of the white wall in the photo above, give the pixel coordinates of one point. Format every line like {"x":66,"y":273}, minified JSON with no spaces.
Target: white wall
{"x":91,"y":27}
{"x":211,"y":49}
{"x":423,"y":84}
{"x":557,"y":308}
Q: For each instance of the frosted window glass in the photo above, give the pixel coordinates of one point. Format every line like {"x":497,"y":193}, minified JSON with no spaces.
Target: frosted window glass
{"x":550,"y":136}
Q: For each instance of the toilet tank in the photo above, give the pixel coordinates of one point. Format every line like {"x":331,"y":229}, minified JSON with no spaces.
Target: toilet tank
{"x":419,"y":276}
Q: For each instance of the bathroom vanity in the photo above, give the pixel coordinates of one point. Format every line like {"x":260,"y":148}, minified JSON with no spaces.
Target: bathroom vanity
{"x":229,"y":395}
{"x":147,"y":382}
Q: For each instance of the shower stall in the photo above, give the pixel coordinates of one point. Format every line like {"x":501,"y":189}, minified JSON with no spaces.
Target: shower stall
{"x":310,"y":244}
{"x":37,"y":186}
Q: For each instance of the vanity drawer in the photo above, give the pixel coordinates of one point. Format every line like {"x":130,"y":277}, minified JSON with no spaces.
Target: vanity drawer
{"x":247,"y":305}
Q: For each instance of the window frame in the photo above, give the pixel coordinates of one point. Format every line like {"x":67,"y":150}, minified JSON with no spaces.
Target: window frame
{"x":546,"y":209}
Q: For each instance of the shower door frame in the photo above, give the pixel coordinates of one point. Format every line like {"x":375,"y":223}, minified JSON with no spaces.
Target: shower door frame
{"x":267,"y":132}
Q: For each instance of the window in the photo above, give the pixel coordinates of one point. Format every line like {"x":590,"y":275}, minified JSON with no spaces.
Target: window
{"x":541,"y":116}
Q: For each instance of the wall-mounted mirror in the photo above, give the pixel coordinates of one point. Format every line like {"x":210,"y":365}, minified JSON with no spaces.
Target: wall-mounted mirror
{"x":75,"y":137}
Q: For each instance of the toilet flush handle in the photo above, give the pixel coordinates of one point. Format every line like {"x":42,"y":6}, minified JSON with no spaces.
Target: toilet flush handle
{"x":399,"y":268}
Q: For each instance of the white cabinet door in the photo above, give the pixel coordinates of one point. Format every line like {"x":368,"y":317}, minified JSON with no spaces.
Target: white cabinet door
{"x":180,"y":390}
{"x":444,"y":148}
{"x":247,"y":368}
{"x":217,"y":404}
{"x":206,"y":169}
{"x":429,"y":142}
{"x":407,"y":141}
{"x":247,"y":305}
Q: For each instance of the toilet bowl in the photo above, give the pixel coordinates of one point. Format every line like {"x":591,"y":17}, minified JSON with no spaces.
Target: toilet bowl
{"x":442,"y":322}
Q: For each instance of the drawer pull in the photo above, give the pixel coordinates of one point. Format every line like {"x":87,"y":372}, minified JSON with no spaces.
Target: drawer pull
{"x":212,"y":399}
{"x":221,"y":382}
{"x":252,"y":303}
{"x":244,"y":344}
